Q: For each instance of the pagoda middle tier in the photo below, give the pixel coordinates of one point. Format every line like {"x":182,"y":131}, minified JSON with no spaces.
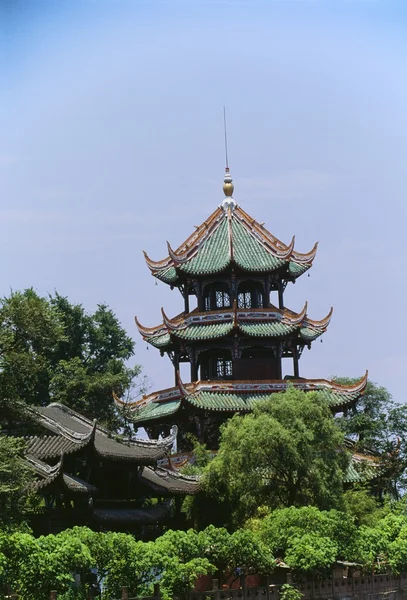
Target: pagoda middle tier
{"x":235,"y":343}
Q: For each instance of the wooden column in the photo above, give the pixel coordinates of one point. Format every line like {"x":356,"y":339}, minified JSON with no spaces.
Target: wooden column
{"x":266,"y":300}
{"x":280,"y":294}
{"x":176,"y":368}
{"x":233,"y":288}
{"x":279,"y":359}
{"x":194,"y":367}
{"x":296,"y":363}
{"x":186,"y":299}
{"x":200,"y":298}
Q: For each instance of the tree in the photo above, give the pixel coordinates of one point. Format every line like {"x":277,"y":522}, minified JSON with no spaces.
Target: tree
{"x":178,"y":578}
{"x":53,"y":351}
{"x":15,"y":480}
{"x":282,"y":526}
{"x":120,"y":560}
{"x":377,"y":422}
{"x":36,"y":566}
{"x":311,"y":553}
{"x":247,"y":554}
{"x":362,"y":506}
{"x":287,"y":452}
{"x":367,"y":421}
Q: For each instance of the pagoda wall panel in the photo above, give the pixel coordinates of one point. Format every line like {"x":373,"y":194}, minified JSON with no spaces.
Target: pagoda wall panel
{"x":256,"y":368}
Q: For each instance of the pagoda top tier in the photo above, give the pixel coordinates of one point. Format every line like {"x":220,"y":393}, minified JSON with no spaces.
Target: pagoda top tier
{"x":230,"y":237}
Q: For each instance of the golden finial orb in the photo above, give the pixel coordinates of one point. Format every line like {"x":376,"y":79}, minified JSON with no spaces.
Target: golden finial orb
{"x":228,"y":186}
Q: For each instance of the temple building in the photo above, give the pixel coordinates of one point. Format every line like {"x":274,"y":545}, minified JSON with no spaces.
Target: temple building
{"x":87,"y":476}
{"x":240,"y":331}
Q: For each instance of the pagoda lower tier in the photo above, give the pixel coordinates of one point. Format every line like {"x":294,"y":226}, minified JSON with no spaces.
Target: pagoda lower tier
{"x":200,"y":408}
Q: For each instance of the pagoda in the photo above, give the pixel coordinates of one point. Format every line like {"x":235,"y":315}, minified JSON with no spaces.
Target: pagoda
{"x":239,"y":332}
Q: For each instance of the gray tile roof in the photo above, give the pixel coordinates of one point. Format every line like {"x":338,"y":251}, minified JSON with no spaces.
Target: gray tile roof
{"x":72,"y":431}
{"x":168,"y":482}
{"x":52,"y":446}
{"x":49,"y":474}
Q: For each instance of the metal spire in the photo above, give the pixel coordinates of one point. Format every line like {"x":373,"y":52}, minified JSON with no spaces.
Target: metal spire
{"x":228,"y":186}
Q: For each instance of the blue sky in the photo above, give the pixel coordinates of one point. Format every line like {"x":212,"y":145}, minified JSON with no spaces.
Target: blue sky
{"x":111,"y":143}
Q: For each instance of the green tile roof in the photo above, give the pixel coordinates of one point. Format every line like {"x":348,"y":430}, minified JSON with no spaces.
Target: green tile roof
{"x":208,"y":331}
{"x":296,"y":269}
{"x":213,"y":256}
{"x":249,"y":253}
{"x":156,"y":410}
{"x":225,"y":238}
{"x":169,"y":275}
{"x":275,"y":329}
{"x":360,"y":471}
{"x":220,"y":401}
{"x":237,"y":400}
{"x":337,"y":398}
{"x":224,"y":401}
{"x":160,"y":341}
{"x":204,"y":332}
{"x":310,"y":333}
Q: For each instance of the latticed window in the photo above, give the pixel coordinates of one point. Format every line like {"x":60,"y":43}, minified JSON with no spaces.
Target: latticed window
{"x":223,"y":367}
{"x":250,"y":299}
{"x":244,"y":300}
{"x":216,"y":296}
{"x":222,"y":299}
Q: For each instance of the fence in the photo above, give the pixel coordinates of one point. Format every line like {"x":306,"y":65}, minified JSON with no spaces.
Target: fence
{"x":366,"y":587}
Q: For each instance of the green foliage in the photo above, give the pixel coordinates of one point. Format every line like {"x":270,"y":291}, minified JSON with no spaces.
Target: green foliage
{"x":185,"y":545}
{"x":52,"y":350}
{"x":362,"y":506}
{"x":288,"y":592}
{"x":179,"y":577}
{"x":35,"y":566}
{"x":15,"y":479}
{"x":202,"y":456}
{"x":285,"y":453}
{"x":311,"y":553}
{"x":367,"y":420}
{"x":377,"y":422}
{"x":281,"y":527}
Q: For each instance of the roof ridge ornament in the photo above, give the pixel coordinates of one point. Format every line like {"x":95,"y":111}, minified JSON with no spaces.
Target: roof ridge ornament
{"x":228,"y":188}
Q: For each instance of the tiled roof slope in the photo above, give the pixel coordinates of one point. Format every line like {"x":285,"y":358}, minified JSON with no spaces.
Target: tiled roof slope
{"x":271,"y":323}
{"x":47,"y":475}
{"x":230,"y":237}
{"x":236,"y":396}
{"x":165,"y":482}
{"x":72,"y":431}
{"x":365,"y":465}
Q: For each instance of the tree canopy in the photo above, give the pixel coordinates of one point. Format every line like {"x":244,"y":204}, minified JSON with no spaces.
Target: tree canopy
{"x":54,"y":351}
{"x":379,"y":423}
{"x":33,"y":567}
